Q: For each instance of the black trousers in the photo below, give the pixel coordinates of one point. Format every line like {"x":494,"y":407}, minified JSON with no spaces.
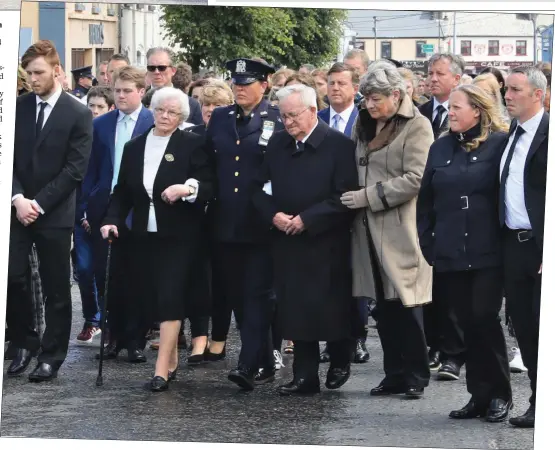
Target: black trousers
{"x":443,"y":332}
{"x":53,"y":249}
{"x":244,"y":273}
{"x":476,"y":297}
{"x":405,"y":354}
{"x":277,"y":333}
{"x":522,"y":261}
{"x":306,"y":360}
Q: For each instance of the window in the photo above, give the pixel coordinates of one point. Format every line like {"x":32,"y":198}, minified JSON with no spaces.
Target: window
{"x":520,"y":48}
{"x":466,"y":48}
{"x":493,"y":48}
{"x":386,"y":49}
{"x":419,"y":50}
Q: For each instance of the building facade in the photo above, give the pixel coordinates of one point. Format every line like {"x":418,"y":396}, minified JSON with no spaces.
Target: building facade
{"x":84,"y":33}
{"x":140,"y":30}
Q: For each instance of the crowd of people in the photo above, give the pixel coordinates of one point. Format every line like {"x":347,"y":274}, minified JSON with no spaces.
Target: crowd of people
{"x":298,"y":202}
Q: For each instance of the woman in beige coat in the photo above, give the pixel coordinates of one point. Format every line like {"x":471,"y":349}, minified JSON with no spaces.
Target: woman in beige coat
{"x":393,"y":140}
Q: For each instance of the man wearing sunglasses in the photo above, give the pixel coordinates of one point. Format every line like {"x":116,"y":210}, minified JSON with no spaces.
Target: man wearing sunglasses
{"x":160,"y":71}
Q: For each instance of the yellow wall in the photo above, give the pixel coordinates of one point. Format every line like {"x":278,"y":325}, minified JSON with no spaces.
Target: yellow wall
{"x":30,"y":17}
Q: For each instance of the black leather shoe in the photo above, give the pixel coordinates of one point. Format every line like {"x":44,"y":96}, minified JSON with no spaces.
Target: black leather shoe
{"x":435,"y":363}
{"x":158,"y":384}
{"x":209,"y":356}
{"x":111,"y":351}
{"x":265,"y":376}
{"x":387,"y":390}
{"x":300,"y":386}
{"x":20,"y":362}
{"x":414,"y":392}
{"x":43,"y":372}
{"x":498,"y":410}
{"x":136,"y":356}
{"x":325,"y":355}
{"x":449,"y":370}
{"x":337,"y":377}
{"x":527,"y":420}
{"x":471,"y":410}
{"x":242,"y":378}
{"x":172,"y":374}
{"x":361,"y":353}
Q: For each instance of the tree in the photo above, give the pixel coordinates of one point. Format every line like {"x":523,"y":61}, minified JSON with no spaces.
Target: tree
{"x":209,"y":36}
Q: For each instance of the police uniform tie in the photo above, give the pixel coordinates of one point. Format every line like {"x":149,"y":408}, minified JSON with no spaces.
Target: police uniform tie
{"x":505,"y":174}
{"x":436,"y":124}
{"x":40,"y":119}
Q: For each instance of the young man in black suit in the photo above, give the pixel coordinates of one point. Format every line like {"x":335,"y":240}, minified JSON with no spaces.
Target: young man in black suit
{"x":50,"y":160}
{"x":523,"y":173}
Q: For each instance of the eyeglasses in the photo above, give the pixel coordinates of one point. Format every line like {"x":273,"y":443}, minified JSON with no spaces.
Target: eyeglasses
{"x":292,"y":116}
{"x":153,"y":68}
{"x":171,"y":114}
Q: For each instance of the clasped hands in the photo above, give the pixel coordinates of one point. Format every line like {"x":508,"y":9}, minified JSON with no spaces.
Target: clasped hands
{"x":290,"y":225}
{"x":27,"y":211}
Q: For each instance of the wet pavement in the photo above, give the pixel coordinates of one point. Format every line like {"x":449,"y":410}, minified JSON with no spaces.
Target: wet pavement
{"x":203,"y":406}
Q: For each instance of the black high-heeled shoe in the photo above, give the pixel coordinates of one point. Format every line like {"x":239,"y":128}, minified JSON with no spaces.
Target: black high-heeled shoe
{"x":197,"y":359}
{"x":158,"y":384}
{"x":172,"y":375}
{"x":209,"y":356}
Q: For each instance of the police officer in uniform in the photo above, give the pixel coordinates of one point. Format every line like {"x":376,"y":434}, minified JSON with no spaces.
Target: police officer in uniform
{"x":83,"y":81}
{"x":241,"y":263}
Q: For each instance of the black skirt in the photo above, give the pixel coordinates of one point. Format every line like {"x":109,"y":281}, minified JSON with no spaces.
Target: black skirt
{"x":162,"y":270}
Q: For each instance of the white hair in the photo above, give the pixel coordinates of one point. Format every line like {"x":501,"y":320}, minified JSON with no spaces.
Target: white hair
{"x":307,"y":94}
{"x":170,"y":93}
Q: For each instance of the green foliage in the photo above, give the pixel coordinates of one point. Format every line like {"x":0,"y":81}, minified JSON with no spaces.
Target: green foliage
{"x":209,"y":36}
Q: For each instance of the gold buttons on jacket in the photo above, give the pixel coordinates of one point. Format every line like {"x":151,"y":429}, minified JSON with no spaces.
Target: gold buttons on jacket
{"x":236,"y":158}
{"x":236,"y":190}
{"x":236,"y":174}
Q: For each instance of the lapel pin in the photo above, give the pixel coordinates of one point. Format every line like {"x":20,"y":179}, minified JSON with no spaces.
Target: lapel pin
{"x":169,"y":157}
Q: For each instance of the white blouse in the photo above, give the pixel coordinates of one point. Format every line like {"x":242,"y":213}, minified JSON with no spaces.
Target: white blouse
{"x":154,"y":152}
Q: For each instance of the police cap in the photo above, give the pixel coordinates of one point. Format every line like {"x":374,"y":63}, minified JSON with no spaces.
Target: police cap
{"x":247,"y":71}
{"x":83,"y":72}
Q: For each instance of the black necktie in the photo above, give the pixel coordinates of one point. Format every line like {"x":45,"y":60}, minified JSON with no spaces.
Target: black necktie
{"x":40,"y":120}
{"x":300,"y":147}
{"x":436,"y":124}
{"x":505,"y":174}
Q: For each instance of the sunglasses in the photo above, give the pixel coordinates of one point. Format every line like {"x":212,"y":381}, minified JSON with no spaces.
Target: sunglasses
{"x":153,"y":68}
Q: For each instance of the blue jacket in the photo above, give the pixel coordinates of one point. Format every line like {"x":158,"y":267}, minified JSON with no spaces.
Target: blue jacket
{"x":325,"y":116}
{"x":97,"y":185}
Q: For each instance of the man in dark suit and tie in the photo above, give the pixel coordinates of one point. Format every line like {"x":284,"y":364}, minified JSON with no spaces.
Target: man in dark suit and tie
{"x":343,"y":84}
{"x":50,"y":160}
{"x":111,"y":132}
{"x":443,"y":334}
{"x":160,"y":72}
{"x":523,"y":173}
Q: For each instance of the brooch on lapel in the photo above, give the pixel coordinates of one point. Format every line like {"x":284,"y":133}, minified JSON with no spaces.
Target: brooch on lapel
{"x":169,"y":157}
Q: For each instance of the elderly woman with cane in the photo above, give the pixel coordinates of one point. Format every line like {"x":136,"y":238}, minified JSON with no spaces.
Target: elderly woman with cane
{"x":165,"y":180}
{"x":393,"y":140}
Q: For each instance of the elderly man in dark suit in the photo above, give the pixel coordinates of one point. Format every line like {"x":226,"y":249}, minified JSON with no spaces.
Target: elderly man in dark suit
{"x":306,"y":169}
{"x":523,"y":173}
{"x":50,"y":160}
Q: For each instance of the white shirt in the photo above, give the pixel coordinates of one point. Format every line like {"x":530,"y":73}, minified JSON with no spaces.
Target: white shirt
{"x":516,"y":215}
{"x":308,"y":135}
{"x":155,"y":148}
{"x":50,"y":103}
{"x":445,"y":104}
{"x":344,"y":117}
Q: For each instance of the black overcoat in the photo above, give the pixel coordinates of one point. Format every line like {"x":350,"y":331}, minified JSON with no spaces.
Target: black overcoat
{"x":312,"y":270}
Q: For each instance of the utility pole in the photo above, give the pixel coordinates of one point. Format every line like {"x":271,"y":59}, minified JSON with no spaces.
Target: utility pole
{"x":534,"y":17}
{"x":454,"y":50}
{"x":375,"y":39}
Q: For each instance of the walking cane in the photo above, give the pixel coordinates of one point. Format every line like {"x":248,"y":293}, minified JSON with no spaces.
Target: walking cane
{"x":99,"y":380}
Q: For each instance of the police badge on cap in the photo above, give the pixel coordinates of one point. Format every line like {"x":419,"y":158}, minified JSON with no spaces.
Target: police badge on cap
{"x":247,"y":71}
